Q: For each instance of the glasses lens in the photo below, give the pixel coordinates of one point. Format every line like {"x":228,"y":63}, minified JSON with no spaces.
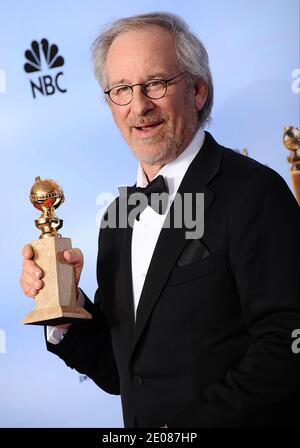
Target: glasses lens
{"x":121,"y":95}
{"x":155,"y":88}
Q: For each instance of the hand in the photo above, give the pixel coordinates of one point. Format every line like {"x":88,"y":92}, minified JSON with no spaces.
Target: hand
{"x":31,"y":276}
{"x":75,"y":257}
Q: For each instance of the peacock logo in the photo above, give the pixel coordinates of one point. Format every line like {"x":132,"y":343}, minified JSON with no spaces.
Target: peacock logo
{"x":41,"y":57}
{"x":37,"y":52}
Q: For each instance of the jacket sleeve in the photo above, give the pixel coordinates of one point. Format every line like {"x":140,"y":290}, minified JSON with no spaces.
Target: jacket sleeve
{"x":264,"y":252}
{"x":87,"y":345}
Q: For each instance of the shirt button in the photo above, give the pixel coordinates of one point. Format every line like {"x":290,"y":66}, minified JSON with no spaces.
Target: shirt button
{"x":137,"y":381}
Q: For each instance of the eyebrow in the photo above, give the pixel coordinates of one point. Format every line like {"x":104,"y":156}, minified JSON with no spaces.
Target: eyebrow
{"x":155,"y":75}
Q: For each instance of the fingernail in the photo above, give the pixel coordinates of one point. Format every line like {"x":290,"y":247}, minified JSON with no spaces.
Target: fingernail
{"x":37,"y":274}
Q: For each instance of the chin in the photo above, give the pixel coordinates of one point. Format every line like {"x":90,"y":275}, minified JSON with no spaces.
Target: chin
{"x":152,"y":156}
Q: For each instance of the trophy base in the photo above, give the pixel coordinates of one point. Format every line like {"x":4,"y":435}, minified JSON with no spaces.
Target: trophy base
{"x":56,"y":315}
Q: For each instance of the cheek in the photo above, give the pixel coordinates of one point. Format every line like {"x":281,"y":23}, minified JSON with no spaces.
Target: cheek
{"x":179,"y":110}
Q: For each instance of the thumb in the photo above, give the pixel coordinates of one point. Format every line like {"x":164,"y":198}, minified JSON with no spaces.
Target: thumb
{"x":73,"y":256}
{"x":27,"y":252}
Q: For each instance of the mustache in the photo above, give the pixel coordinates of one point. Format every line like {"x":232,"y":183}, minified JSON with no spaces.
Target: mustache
{"x":137,"y":121}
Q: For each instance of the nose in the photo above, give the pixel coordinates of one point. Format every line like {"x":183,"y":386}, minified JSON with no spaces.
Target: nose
{"x":140,"y":103}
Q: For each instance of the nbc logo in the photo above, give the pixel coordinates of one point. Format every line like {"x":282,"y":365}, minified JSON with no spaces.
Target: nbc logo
{"x":2,"y":81}
{"x":41,"y":57}
{"x":2,"y":341}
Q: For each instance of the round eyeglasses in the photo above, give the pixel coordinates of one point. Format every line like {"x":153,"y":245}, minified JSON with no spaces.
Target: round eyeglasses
{"x":153,"y":89}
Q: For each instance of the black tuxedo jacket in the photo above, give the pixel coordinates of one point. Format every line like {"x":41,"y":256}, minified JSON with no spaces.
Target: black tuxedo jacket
{"x":211,"y":345}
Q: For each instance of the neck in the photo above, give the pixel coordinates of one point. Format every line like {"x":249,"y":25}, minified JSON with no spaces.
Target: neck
{"x":151,"y":170}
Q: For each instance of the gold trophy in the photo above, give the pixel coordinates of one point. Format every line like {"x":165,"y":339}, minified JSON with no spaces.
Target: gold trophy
{"x":291,"y":140}
{"x":56,"y":302}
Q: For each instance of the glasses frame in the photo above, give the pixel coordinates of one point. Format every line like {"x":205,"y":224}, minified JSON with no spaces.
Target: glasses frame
{"x":143,"y":86}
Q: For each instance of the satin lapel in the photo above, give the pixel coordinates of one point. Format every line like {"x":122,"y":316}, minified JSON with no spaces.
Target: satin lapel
{"x":123,"y":308}
{"x":125,"y":285}
{"x":172,"y":240}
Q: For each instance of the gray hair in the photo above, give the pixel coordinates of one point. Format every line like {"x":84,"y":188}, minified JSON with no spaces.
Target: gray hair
{"x":192,"y":56}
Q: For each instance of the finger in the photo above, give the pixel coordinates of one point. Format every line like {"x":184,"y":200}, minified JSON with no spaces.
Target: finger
{"x":29,"y":290}
{"x":31,"y":268}
{"x":31,"y":293}
{"x":27,"y":282}
{"x":27,"y":252}
{"x":73,"y":256}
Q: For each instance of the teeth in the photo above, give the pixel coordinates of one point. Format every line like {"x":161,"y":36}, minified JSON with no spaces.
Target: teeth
{"x":142,"y":128}
{"x":148,"y":126}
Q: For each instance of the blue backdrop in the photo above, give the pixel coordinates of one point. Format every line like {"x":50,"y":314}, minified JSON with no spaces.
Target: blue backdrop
{"x":70,"y":136}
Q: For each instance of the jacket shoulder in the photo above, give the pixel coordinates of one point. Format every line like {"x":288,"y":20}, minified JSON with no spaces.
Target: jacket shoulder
{"x":244,"y":173}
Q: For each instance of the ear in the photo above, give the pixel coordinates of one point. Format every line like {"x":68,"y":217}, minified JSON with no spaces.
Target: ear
{"x":201,"y":92}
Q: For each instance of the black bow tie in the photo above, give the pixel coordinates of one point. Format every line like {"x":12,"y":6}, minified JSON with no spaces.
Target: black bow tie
{"x":152,"y":193}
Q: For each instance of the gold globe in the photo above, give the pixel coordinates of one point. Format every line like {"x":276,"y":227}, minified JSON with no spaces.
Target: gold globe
{"x":46,"y":194}
{"x":291,"y":138}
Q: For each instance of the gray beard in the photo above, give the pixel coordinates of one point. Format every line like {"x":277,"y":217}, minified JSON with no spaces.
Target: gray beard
{"x":171,"y":147}
{"x":168,"y":152}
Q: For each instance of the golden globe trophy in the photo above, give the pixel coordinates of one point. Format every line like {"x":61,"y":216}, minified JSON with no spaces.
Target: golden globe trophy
{"x":56,"y":302}
{"x":291,"y":140}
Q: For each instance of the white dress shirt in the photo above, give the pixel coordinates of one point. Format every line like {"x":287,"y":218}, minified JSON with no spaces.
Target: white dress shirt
{"x":146,"y":231}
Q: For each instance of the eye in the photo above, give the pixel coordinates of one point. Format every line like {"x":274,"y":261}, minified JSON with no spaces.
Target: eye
{"x":154,"y":84}
{"x":121,"y":90}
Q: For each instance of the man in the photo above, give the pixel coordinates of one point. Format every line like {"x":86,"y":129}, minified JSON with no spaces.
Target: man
{"x":192,"y":332}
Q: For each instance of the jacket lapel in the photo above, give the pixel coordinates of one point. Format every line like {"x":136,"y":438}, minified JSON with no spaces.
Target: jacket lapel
{"x":125,"y":304}
{"x":172,"y":240}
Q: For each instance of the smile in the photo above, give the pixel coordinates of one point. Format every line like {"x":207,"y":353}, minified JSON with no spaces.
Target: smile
{"x":148,"y":129}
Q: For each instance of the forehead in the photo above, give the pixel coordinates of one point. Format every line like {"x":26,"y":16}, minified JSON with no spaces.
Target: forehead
{"x":136,"y":54}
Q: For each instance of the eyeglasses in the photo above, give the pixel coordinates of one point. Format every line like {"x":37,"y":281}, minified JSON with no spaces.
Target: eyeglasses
{"x":153,"y":89}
